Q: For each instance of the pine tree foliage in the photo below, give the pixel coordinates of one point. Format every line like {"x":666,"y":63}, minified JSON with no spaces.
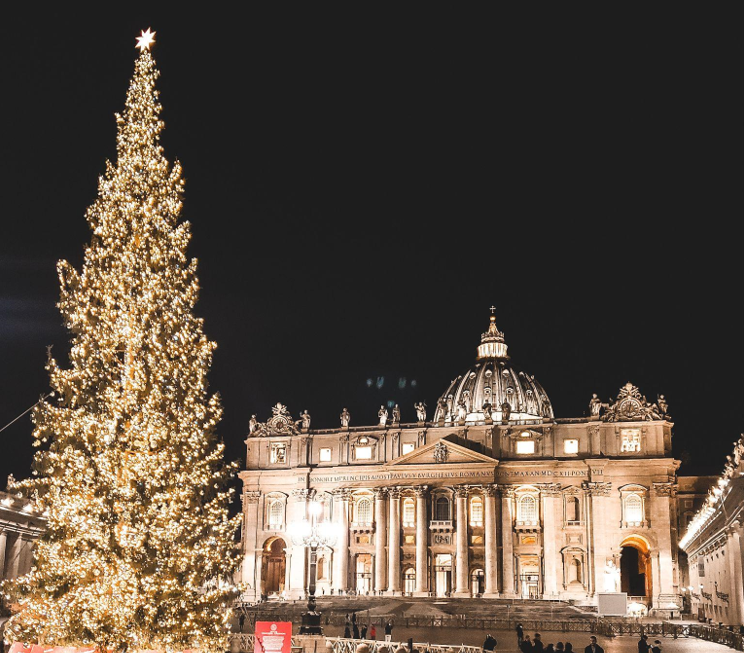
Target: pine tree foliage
{"x":140,"y":548}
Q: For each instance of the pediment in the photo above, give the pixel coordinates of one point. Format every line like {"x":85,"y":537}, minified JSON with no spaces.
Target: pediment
{"x":443,"y":452}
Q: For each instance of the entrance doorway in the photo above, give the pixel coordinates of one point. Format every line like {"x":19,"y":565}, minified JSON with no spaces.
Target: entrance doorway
{"x":529,"y":577}
{"x":477,"y":582}
{"x":274,"y":566}
{"x":409,"y":581}
{"x":443,"y":574}
{"x":363,"y":573}
{"x":635,"y":567}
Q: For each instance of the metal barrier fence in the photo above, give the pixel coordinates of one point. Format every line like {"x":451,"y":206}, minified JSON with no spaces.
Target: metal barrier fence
{"x":341,"y":645}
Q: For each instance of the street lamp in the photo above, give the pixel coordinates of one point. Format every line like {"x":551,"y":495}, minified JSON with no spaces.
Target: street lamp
{"x":312,"y":533}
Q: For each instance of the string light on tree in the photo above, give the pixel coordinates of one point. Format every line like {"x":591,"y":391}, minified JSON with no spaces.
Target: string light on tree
{"x":139,"y":547}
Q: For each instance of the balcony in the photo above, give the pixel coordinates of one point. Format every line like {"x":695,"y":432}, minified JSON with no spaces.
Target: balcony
{"x":441,"y":526}
{"x":362,"y":527}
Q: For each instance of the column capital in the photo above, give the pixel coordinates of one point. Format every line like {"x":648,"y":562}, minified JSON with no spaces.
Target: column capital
{"x":303,"y":494}
{"x":421,"y":490}
{"x":507,"y":491}
{"x":491,"y":489}
{"x":380,"y":493}
{"x":251,"y":496}
{"x":665,"y":489}
{"x":550,"y":489}
{"x":461,"y":491}
{"x":393,"y":493}
{"x":596,"y":489}
{"x":342,"y":493}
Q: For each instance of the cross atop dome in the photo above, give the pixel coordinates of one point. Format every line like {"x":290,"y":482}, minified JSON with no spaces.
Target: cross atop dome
{"x":492,"y":341}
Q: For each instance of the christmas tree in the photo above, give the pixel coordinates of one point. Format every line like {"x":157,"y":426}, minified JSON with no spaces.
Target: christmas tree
{"x":139,"y":549}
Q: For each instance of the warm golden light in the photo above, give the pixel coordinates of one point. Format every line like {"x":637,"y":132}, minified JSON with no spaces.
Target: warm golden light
{"x":145,"y":39}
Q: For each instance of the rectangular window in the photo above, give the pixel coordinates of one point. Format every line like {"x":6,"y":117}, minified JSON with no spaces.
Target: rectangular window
{"x":325,"y":455}
{"x":278,"y":455}
{"x":409,"y":539}
{"x":570,"y":446}
{"x":525,"y":446}
{"x":407,"y":447}
{"x":363,"y":453}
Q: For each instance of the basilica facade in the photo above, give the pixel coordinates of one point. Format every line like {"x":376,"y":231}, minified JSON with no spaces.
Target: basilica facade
{"x":493,"y":496}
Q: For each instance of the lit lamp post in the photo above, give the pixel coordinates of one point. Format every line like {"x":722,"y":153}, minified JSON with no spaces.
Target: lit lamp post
{"x":313,"y":534}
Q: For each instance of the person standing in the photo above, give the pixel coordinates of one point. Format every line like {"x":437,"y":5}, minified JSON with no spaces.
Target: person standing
{"x":388,"y":631}
{"x":241,"y":621}
{"x":520,"y":634}
{"x":526,"y":645}
{"x":364,"y":631}
{"x":537,"y":644}
{"x":490,"y":643}
{"x":373,"y":632}
{"x":355,"y":629}
{"x":643,"y":645}
{"x":593,"y":646}
{"x":656,"y":648}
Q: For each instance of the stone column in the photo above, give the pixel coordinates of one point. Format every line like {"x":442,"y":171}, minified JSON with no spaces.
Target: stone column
{"x":733,"y":553}
{"x":422,"y":543}
{"x":552,"y":512}
{"x":257,"y":570}
{"x":507,"y":528}
{"x":394,"y":542}
{"x":491,"y":558}
{"x":461,"y":563}
{"x":381,"y":570}
{"x":341,"y":550}
{"x":3,"y":545}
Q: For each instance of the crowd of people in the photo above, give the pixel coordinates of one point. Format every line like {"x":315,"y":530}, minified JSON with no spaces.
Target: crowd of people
{"x":352,"y":630}
{"x":536,"y":645}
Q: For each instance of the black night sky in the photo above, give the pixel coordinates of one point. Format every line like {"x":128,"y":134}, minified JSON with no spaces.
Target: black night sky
{"x":364,"y":184}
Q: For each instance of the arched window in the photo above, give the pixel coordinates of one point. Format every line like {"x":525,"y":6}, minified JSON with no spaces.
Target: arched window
{"x":573,"y":513}
{"x":527,"y":508}
{"x":409,"y":512}
{"x":633,"y":508}
{"x":321,"y":569}
{"x":363,"y":511}
{"x":276,"y":514}
{"x":442,"y":509}
{"x":476,"y":511}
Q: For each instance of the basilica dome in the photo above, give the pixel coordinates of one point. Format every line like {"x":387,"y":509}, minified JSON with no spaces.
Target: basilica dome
{"x":493,"y":383}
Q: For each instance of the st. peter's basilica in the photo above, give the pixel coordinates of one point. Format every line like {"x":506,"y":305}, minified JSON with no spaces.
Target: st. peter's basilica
{"x":493,"y":496}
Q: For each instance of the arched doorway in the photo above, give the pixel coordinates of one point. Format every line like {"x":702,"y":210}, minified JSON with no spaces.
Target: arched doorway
{"x":635,"y":567}
{"x":274,"y":566}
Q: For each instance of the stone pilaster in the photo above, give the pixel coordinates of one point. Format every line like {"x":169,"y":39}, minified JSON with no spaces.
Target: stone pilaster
{"x":251,"y":524}
{"x":551,"y":497}
{"x":461,"y":562}
{"x":422,"y":543}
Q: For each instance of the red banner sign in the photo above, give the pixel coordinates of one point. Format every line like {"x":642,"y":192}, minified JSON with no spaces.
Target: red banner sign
{"x":273,"y":637}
